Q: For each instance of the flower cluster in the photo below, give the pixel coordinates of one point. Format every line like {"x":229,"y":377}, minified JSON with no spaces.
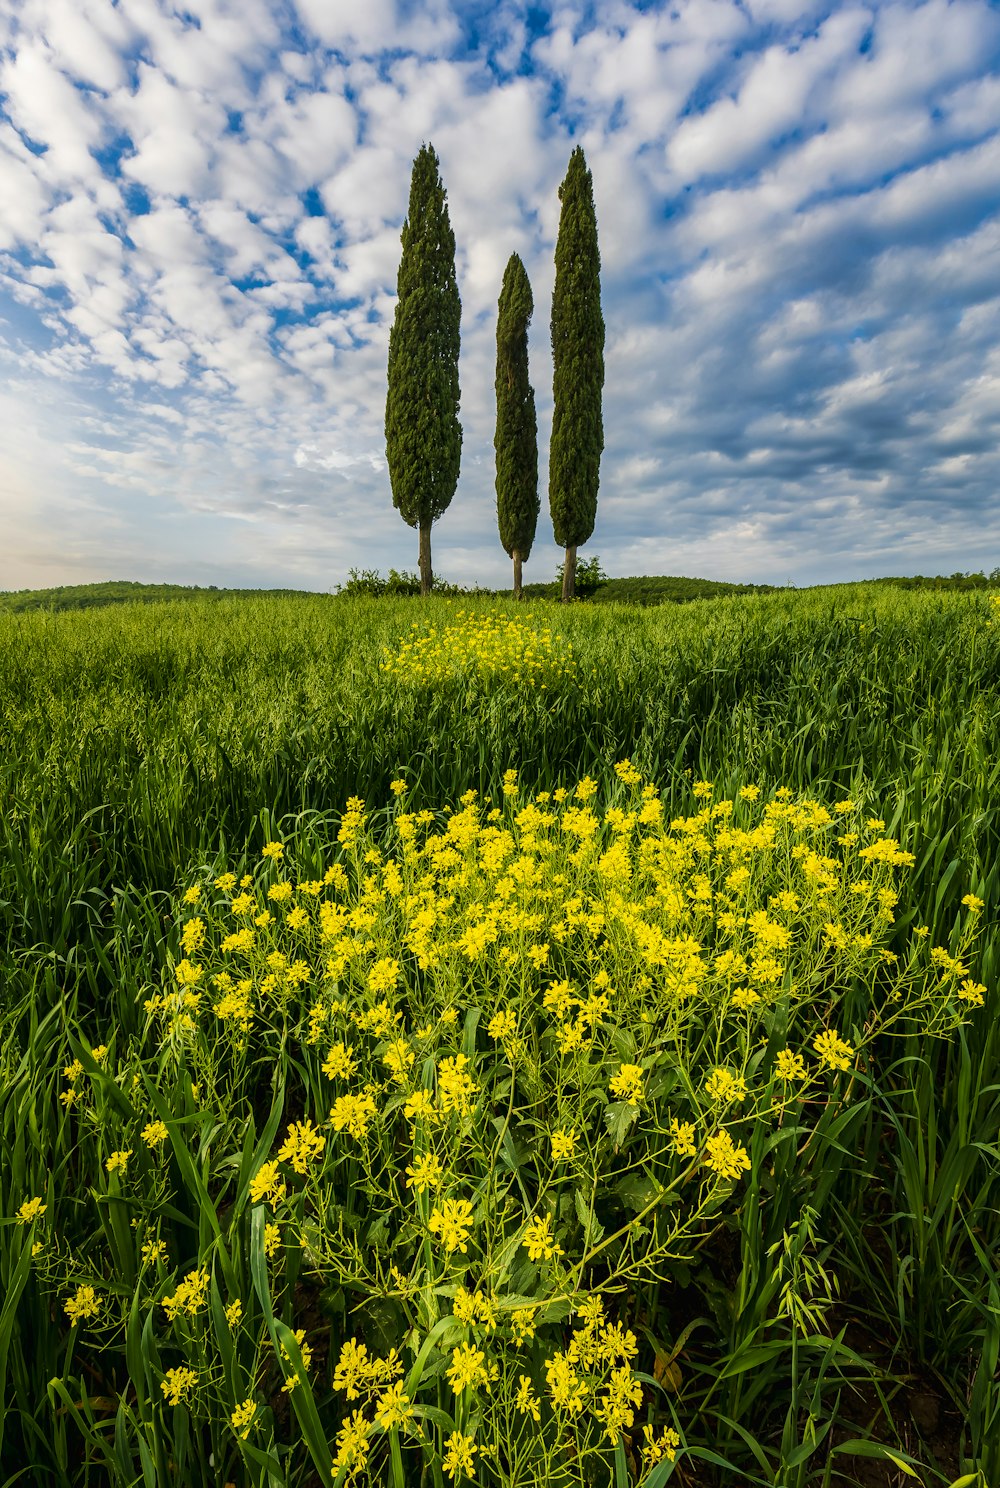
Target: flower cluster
{"x":536,"y":1044}
{"x":489,"y":647}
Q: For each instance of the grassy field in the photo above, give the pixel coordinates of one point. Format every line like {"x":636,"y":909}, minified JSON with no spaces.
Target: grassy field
{"x":691,"y":1039}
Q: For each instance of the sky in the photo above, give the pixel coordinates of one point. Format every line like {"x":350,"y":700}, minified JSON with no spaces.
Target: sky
{"x":798,"y":209}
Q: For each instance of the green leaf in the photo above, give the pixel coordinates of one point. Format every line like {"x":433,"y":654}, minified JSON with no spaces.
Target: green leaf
{"x":619,"y":1118}
{"x":593,"y":1232}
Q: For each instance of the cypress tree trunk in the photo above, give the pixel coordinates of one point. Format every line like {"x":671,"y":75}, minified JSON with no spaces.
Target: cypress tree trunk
{"x":569,"y":575}
{"x":426,"y":577}
{"x":517,"y":576}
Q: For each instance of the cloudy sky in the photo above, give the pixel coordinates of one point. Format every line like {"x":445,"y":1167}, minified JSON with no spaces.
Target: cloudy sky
{"x":200,"y":208}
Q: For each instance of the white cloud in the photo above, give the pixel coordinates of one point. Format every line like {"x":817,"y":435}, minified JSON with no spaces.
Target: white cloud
{"x":781,"y":90}
{"x":48,"y":111}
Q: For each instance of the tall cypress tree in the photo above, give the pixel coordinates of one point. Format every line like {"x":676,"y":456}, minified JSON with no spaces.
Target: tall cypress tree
{"x":516,"y":441}
{"x":423,"y":437}
{"x":578,"y":369}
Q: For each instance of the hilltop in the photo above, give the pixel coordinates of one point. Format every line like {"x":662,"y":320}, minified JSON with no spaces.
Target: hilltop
{"x":647,"y":589}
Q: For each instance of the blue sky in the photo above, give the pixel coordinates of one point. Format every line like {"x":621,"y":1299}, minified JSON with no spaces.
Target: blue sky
{"x":200,"y":209}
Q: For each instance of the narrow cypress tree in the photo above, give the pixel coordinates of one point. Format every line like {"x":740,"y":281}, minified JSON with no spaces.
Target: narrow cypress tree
{"x":516,"y":441}
{"x":423,"y":437}
{"x":578,"y":369}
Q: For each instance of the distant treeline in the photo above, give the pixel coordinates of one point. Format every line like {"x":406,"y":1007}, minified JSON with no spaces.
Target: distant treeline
{"x":118,"y":591}
{"x":953,"y":581}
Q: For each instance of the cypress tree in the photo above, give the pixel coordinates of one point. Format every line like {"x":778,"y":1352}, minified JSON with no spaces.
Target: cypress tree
{"x":423,"y":437}
{"x":578,"y":369}
{"x":516,"y":441}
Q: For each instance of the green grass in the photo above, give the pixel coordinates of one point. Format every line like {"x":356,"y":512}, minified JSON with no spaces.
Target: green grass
{"x":146,"y":743}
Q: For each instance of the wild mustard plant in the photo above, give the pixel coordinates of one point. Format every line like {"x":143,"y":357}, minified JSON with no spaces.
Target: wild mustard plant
{"x":486,"y":647}
{"x":536,"y":1042}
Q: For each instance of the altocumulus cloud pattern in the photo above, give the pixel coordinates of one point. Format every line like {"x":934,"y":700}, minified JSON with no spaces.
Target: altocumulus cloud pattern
{"x":200,"y":207}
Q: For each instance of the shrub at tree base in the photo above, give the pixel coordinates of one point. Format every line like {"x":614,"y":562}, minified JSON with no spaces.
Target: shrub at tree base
{"x":421,"y":1115}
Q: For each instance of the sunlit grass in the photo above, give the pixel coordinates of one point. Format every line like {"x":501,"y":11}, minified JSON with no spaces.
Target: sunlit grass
{"x":155,"y":750}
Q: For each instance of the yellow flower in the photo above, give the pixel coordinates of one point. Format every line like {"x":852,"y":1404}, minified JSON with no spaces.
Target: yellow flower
{"x":539,"y":1241}
{"x":339,"y":1063}
{"x":749,"y":792}
{"x":186,"y":974}
{"x":73,"y":1071}
{"x":522,"y":1320}
{"x":567,"y":1390}
{"x":234,"y":1313}
{"x":273,"y":850}
{"x":31,"y":1210}
{"x":724,"y":1157}
{"x":393,"y":1407}
{"x":458,"y":1458}
{"x":192,"y":936}
{"x":682,"y":1138}
{"x":702,"y":790}
{"x":272,"y":1239}
{"x":242,"y":1419}
{"x":352,"y":1113}
{"x":789,"y":1066}
{"x":655,"y":1449}
{"x":627,"y":1084}
{"x":153,"y":1251}
{"x":502,"y":1025}
{"x":118,"y":1161}
{"x":452,"y":1223}
{"x":267,"y":1186}
{"x":420,"y":1103}
{"x":724,"y":1087}
{"x":627,"y":773}
{"x":526,"y":1401}
{"x":616,"y":1408}
{"x":456,"y":1086}
{"x":352,"y":1446}
{"x":189,"y":1296}
{"x":398,"y":787}
{"x":178,"y":1384}
{"x":85,"y":1304}
{"x":972,"y":903}
{"x":397,"y":1059}
{"x":466,"y":1368}
{"x":302,"y":1146}
{"x":563,"y":1143}
{"x":306,"y":1352}
{"x":354,"y":1368}
{"x":383,"y":976}
{"x":425,"y":1173}
{"x":193,"y":894}
{"x":154,"y":1133}
{"x":834,"y":1052}
{"x":971,"y":992}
